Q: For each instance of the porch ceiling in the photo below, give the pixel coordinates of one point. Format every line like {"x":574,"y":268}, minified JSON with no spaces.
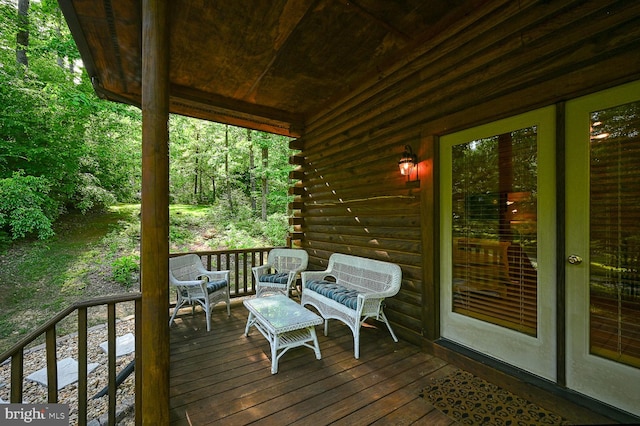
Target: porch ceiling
{"x":267,"y":65}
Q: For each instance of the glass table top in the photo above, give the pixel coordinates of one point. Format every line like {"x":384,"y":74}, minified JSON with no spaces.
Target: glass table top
{"x":281,"y":313}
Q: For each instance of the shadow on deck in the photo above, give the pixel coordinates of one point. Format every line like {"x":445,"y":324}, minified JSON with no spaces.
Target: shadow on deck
{"x":222,"y":377}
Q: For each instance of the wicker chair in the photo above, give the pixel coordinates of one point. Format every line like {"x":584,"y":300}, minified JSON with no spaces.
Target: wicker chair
{"x":279,"y":274}
{"x":196,"y":285}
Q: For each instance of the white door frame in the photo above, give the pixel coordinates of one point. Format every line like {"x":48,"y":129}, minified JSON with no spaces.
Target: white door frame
{"x":536,"y":355}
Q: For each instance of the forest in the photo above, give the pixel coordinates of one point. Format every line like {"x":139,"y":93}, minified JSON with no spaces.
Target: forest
{"x":63,"y":150}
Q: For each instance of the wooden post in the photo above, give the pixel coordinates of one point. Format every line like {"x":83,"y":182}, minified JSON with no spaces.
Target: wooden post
{"x":154,"y":371}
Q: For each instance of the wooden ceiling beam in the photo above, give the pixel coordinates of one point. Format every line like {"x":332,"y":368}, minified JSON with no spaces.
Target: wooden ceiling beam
{"x":242,"y":111}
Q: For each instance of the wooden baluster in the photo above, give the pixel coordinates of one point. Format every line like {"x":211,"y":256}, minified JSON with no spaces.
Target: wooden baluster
{"x":111,"y":351}
{"x":17,"y":371}
{"x":82,"y":365}
{"x":52,"y":366}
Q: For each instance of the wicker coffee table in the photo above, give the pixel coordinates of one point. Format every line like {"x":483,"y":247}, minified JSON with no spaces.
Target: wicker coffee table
{"x":284,"y":323}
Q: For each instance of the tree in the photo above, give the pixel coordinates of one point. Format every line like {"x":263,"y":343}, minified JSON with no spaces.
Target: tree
{"x":274,"y":172}
{"x":265,"y":181}
{"x":25,"y":206}
{"x":52,"y":125}
{"x":22,"y":38}
{"x":226,"y":168}
{"x":252,"y":176}
{"x":202,"y":152}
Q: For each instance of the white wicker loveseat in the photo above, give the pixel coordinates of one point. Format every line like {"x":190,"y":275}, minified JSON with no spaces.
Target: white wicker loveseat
{"x":351,"y":290}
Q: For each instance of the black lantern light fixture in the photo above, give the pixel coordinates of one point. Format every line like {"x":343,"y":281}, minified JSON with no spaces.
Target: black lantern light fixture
{"x":408,"y":163}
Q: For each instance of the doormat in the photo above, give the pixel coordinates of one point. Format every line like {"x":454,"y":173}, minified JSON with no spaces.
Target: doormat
{"x":472,"y":401}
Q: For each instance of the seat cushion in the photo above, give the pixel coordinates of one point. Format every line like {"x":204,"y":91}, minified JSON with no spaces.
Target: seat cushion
{"x":215,"y":285}
{"x":340,"y":294}
{"x":280,"y":278}
{"x":211,"y":287}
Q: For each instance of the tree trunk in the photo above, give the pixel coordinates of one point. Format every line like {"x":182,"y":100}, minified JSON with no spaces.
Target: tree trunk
{"x":265,"y":188}
{"x":252,"y":175}
{"x":195,"y":176}
{"x":22,"y":37}
{"x":59,"y":58}
{"x":226,"y":168}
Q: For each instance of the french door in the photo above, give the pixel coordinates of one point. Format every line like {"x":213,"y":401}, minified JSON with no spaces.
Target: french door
{"x":603,"y":246}
{"x":498,"y":243}
{"x":497,"y":216}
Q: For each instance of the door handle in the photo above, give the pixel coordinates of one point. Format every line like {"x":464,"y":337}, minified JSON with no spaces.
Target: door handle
{"x":574,"y":259}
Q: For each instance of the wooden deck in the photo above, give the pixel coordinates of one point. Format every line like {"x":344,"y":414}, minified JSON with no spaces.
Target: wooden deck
{"x":222,"y":377}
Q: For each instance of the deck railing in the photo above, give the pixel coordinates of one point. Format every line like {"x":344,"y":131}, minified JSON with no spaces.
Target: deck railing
{"x":48,"y":329}
{"x":238,"y":262}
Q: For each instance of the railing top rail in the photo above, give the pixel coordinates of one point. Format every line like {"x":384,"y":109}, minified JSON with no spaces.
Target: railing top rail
{"x":104,"y":300}
{"x":216,"y":252}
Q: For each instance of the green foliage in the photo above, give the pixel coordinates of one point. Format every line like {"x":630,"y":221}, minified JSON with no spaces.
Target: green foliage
{"x":212,"y":162}
{"x":275,"y":229}
{"x":25,"y":206}
{"x":54,"y":128}
{"x":52,"y":124}
{"x":5,"y":241}
{"x":125,"y":269}
{"x":124,"y":237}
{"x":92,"y":196}
{"x":244,"y":230}
{"x":236,"y":238}
{"x":113,"y":150}
{"x":179,"y":235}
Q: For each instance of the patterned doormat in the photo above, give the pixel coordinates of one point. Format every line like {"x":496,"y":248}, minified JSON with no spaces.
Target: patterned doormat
{"x":473,"y":401}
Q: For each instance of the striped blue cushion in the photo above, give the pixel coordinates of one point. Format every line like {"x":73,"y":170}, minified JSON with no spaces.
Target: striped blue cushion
{"x":334,"y":291}
{"x":280,"y":278}
{"x":215,"y":285}
{"x":211,"y":287}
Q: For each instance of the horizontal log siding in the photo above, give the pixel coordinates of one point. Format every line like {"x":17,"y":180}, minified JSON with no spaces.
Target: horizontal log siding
{"x":500,"y":59}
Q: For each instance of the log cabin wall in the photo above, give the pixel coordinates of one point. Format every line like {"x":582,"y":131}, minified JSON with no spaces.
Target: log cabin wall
{"x":503,"y":59}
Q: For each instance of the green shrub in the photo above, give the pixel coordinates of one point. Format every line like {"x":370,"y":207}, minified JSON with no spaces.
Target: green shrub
{"x":91,"y":196}
{"x":179,"y":235}
{"x":5,"y":241}
{"x":25,"y":206}
{"x":275,"y":229}
{"x":234,"y":238}
{"x":125,"y":270}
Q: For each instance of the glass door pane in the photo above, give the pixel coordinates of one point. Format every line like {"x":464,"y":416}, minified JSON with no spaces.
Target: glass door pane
{"x":614,"y":246}
{"x":494,"y":229}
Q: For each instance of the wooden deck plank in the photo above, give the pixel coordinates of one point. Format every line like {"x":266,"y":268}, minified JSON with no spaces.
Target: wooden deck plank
{"x":374,"y":389}
{"x":302,"y":381}
{"x":222,"y":377}
{"x":435,"y":418}
{"x":245,"y":390}
{"x":404,"y":415}
{"x":411,"y":407}
{"x":329,"y":405}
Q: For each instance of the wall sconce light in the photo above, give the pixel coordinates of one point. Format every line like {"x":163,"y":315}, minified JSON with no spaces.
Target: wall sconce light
{"x":408,"y":163}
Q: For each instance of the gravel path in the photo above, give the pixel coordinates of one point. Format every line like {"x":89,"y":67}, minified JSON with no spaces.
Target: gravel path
{"x":35,"y":359}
